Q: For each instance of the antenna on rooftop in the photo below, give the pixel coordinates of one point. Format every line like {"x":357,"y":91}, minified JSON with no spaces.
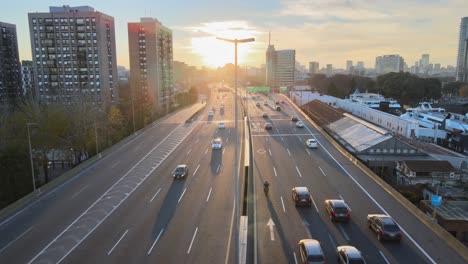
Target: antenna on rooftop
{"x":269,"y":38}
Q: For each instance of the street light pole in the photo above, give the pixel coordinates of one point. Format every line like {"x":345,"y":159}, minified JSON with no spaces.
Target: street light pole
{"x":30,"y":156}
{"x":236,"y":162}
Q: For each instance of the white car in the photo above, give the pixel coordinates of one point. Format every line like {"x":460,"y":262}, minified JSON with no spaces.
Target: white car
{"x":311,"y":143}
{"x":300,"y":124}
{"x":216,"y":143}
{"x":257,"y":104}
{"x":210,"y":113}
{"x":221,"y":125}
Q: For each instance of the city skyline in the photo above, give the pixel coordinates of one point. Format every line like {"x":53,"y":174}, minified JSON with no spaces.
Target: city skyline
{"x":358,"y":30}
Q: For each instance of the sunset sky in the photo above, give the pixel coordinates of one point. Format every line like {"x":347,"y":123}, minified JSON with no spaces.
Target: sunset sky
{"x":326,"y":31}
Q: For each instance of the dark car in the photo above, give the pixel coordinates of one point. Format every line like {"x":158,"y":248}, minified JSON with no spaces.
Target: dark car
{"x":278,"y":108}
{"x":301,"y":196}
{"x":338,"y":210}
{"x":268,"y":126}
{"x":294,"y":118}
{"x":181,"y":171}
{"x":384,"y":226}
{"x":349,"y":255}
{"x":265,"y":115}
{"x":310,"y":252}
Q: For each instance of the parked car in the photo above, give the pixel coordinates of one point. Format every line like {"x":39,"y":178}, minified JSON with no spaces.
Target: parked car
{"x":384,"y":226}
{"x":349,"y":255}
{"x":310,"y":252}
{"x":181,"y":171}
{"x":301,"y":196}
{"x":338,"y":210}
{"x":312,"y":143}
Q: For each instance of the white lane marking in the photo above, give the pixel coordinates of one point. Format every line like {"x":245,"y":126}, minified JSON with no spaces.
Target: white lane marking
{"x":306,"y":225}
{"x":282,"y":202}
{"x":227,"y":140}
{"x":198,"y":139}
{"x":116,"y":243}
{"x":188,"y":152}
{"x":269,"y":151}
{"x":209,"y":194}
{"x":195,"y":172}
{"x":217,"y":170}
{"x":376,"y":203}
{"x":295,"y":258}
{"x":282,"y":138}
{"x":230,"y":229}
{"x":155,"y":241}
{"x":224,"y":150}
{"x":289,"y":152}
{"x":271,"y":224}
{"x":206,"y":151}
{"x":154,"y":196}
{"x":322,"y":171}
{"x":9,"y":244}
{"x":341,"y":197}
{"x":315,"y":205}
{"x":193,"y":238}
{"x":385,"y":258}
{"x":80,"y":191}
{"x":266,"y":139}
{"x":117,"y":163}
{"x":229,"y":131}
{"x":182,"y":195}
{"x":274,"y":170}
{"x":343,"y":232}
{"x":297,"y":169}
{"x":307,"y":151}
{"x":299,"y":138}
{"x":333,"y":242}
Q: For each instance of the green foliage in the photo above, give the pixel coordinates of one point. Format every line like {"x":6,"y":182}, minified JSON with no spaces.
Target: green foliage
{"x":343,"y":86}
{"x":411,"y":196}
{"x":452,"y":88}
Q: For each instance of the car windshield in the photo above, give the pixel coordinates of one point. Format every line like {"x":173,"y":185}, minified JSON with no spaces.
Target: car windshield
{"x":341,"y":210}
{"x":356,"y":261}
{"x":315,"y":258}
{"x":180,"y":169}
{"x":391,"y":228}
{"x":216,"y":141}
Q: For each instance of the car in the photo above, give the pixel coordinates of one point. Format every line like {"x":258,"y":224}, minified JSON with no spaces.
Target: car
{"x":349,"y":255}
{"x":210,"y":113}
{"x":282,"y":101}
{"x":311,"y":143}
{"x":384,"y":226}
{"x":294,"y":118}
{"x":310,"y":251}
{"x":217,"y":143}
{"x":221,"y":125}
{"x":268,"y":126}
{"x":277,"y":102}
{"x":338,"y":210}
{"x":300,"y":124}
{"x":213,"y":108}
{"x":265,"y":103}
{"x":265,"y":115}
{"x":257,"y":104}
{"x":181,"y":171}
{"x":301,"y":196}
{"x":278,"y":108}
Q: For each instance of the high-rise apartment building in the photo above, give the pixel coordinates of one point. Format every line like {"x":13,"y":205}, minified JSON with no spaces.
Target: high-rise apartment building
{"x":462,"y":56}
{"x":329,"y":70}
{"x":10,"y":68}
{"x":389,"y":63}
{"x":349,"y":65}
{"x":424,"y":61}
{"x":151,"y":62}
{"x":74,"y":55}
{"x":27,"y":78}
{"x":313,"y":67}
{"x":285,"y":67}
{"x":360,"y":64}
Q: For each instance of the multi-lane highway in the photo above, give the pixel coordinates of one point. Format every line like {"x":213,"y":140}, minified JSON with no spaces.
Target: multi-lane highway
{"x":282,"y":157}
{"x":127,"y":208}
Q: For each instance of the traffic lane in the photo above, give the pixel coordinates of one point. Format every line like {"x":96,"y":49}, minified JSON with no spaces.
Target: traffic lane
{"x":144,"y":214}
{"x":47,"y":218}
{"x":331,"y":186}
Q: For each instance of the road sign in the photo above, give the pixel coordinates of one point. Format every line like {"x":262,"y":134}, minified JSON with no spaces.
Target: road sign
{"x":283,"y":89}
{"x":436,"y":200}
{"x":264,"y":89}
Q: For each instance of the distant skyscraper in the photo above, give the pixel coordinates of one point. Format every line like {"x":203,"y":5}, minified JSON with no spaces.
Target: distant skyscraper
{"x":10,"y":67}
{"x":313,"y":67}
{"x":424,"y":62}
{"x":462,"y":57}
{"x":349,"y":65}
{"x":285,"y":67}
{"x":27,"y":77}
{"x":437,"y":68}
{"x":329,"y":69}
{"x":151,"y":62}
{"x":270,"y":64}
{"x":389,"y":63}
{"x":74,"y":55}
{"x":360,"y":64}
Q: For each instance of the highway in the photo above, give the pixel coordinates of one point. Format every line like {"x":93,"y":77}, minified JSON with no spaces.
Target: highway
{"x":127,"y":208}
{"x":282,"y":158}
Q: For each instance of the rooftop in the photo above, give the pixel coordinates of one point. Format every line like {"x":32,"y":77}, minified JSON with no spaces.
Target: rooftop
{"x":429,"y":165}
{"x":452,"y":210}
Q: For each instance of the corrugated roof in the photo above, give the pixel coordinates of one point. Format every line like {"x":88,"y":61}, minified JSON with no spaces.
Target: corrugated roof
{"x":429,"y":165}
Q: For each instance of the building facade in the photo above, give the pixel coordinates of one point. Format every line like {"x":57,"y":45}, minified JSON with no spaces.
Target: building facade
{"x":349,"y":65}
{"x":329,"y":70}
{"x":151,"y":62}
{"x":74,"y":56}
{"x":10,"y":67}
{"x":462,"y":56}
{"x":270,"y":66}
{"x":27,"y":78}
{"x":389,"y":63}
{"x":285,"y":67}
{"x":314,"y":67}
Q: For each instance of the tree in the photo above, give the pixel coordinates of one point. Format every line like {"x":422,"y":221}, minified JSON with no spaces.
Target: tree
{"x":117,"y":125}
{"x":452,"y":88}
{"x":463,"y":91}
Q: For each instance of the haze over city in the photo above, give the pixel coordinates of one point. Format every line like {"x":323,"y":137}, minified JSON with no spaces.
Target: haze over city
{"x":325,"y":31}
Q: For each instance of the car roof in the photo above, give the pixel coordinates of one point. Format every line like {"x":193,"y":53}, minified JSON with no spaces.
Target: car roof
{"x":337,"y":203}
{"x":301,"y":190}
{"x":351,"y":251}
{"x":387,"y":220}
{"x":312,"y":246}
{"x":311,"y":139}
{"x":217,"y":139}
{"x":181,"y":166}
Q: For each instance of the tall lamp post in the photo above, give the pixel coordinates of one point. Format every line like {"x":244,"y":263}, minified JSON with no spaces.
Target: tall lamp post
{"x":31,"y":157}
{"x":236,"y":162}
